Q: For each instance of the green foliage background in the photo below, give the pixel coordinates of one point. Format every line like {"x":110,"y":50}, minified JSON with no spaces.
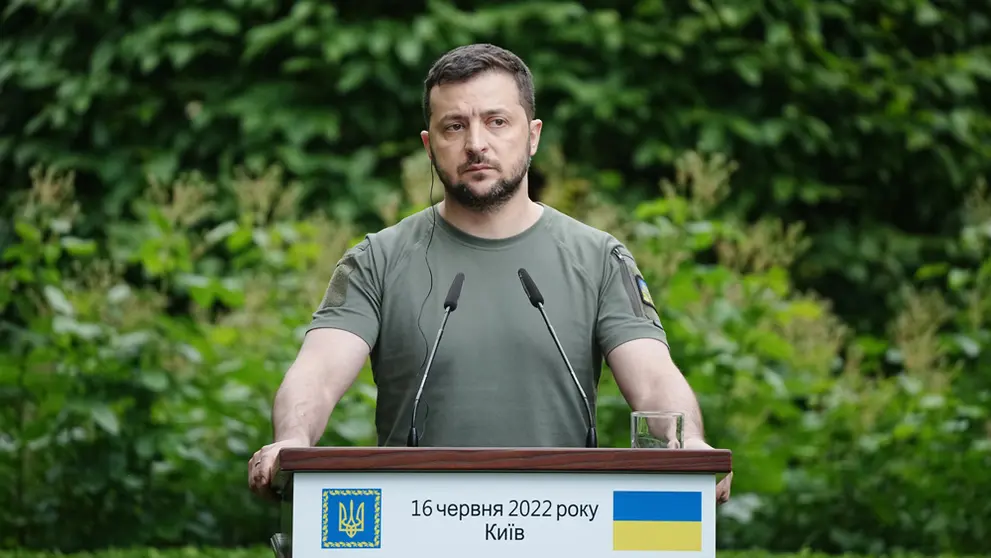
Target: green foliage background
{"x":802,"y":182}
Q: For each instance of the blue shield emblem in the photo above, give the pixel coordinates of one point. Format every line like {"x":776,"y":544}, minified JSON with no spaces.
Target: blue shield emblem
{"x":352,"y":518}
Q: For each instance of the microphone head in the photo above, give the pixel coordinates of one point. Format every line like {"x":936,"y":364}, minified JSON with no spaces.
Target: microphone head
{"x":530,"y":288}
{"x":454,"y":293}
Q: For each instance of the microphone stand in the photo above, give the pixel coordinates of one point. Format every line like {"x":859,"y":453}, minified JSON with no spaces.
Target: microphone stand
{"x":591,"y":438}
{"x":413,"y":439}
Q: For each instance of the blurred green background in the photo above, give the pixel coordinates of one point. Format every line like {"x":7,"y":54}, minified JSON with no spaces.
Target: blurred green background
{"x":803,"y":183}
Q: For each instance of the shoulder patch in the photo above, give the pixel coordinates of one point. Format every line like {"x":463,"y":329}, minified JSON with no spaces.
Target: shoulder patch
{"x":337,"y":289}
{"x":645,"y":292}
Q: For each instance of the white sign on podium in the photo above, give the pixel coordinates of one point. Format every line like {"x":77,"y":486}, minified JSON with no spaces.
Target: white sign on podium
{"x":495,"y":515}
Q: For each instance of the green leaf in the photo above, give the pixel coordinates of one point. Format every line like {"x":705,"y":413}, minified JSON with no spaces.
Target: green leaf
{"x":27,"y":232}
{"x":749,"y":69}
{"x":970,"y":347}
{"x":926,"y":14}
{"x":105,"y":418}
{"x":79,"y":247}
{"x":58,"y":301}
{"x":155,"y":380}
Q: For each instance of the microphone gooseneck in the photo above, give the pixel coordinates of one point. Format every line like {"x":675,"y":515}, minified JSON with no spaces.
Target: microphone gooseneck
{"x":450,"y":305}
{"x":537,"y":300}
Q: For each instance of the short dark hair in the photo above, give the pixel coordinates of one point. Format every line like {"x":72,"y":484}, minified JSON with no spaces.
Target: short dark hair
{"x":466,"y":62}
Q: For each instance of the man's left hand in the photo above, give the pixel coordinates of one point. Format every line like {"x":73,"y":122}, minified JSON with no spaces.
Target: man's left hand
{"x":723,"y":486}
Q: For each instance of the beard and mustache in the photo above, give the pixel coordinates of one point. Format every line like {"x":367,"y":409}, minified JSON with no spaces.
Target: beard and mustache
{"x":497,"y":195}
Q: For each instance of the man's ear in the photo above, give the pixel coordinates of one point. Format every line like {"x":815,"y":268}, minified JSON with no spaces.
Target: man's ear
{"x":535,"y":128}
{"x":425,"y":138}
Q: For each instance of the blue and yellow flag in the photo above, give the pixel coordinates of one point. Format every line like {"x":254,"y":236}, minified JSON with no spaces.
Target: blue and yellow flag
{"x":656,"y":520}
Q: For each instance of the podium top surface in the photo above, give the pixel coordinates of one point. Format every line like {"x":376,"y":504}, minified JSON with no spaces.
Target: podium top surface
{"x":614,"y":460}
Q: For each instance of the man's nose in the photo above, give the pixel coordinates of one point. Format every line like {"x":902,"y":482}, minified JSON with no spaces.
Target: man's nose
{"x":475,"y":141}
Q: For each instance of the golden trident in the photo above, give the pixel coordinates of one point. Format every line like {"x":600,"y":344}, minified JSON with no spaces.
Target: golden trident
{"x":353,"y":522}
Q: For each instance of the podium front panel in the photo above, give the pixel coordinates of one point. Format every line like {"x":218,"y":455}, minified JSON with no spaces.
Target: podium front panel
{"x":356,"y":514}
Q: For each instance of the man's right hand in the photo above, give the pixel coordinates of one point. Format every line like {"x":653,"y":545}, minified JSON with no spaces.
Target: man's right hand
{"x":261,"y":466}
{"x":327,"y":364}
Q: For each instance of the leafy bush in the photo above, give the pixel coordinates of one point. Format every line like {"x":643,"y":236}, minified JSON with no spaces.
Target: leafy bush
{"x":867,"y":122}
{"x":139,"y":370}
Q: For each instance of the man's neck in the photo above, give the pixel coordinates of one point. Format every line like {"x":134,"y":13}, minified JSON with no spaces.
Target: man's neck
{"x":516,"y":216}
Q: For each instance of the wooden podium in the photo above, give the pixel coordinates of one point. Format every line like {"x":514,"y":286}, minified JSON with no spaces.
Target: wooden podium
{"x":486,"y":503}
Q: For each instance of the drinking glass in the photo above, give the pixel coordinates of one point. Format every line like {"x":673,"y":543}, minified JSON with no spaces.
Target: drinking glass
{"x":657,"y":429}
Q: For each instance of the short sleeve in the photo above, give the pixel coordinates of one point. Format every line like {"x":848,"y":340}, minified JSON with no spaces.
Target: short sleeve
{"x":352,"y":301}
{"x":626,"y":309}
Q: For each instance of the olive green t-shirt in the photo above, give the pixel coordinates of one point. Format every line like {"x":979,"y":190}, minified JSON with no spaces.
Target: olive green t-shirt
{"x":497,"y":379}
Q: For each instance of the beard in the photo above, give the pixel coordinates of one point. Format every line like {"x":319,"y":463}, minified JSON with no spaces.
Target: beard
{"x":498,"y":194}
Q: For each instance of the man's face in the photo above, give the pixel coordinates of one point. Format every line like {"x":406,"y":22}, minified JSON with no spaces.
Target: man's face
{"x":480,"y":140}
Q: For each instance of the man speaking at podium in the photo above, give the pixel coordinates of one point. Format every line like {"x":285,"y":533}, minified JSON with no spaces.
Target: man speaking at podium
{"x":489,"y":264}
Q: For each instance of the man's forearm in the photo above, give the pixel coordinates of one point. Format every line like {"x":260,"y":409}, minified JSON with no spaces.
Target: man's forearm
{"x":302,"y":407}
{"x":651,"y":381}
{"x":671,"y":392}
{"x":682,"y":398}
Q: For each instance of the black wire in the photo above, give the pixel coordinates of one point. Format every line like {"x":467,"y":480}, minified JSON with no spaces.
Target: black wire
{"x":426,"y":260}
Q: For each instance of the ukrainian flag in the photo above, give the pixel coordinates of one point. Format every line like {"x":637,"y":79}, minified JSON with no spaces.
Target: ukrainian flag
{"x":656,"y":520}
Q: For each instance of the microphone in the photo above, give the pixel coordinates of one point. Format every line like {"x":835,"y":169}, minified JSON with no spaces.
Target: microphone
{"x":537,"y":300}
{"x":450,"y":305}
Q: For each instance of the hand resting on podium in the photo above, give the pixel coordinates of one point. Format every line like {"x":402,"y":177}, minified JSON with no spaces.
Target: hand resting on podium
{"x":328,"y":363}
{"x":649,"y":380}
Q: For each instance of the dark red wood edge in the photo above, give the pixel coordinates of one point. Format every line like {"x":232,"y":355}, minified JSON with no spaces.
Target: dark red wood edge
{"x":503,"y":459}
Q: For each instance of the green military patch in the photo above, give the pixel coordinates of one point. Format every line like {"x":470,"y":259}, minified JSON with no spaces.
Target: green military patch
{"x":337,"y":289}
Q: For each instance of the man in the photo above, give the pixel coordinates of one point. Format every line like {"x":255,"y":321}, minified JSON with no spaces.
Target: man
{"x":497,"y":378}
